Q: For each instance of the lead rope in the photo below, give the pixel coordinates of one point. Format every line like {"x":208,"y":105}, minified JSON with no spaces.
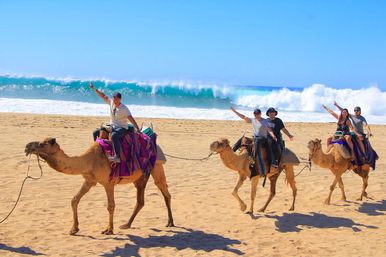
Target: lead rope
{"x":189,"y":159}
{"x":22,"y":185}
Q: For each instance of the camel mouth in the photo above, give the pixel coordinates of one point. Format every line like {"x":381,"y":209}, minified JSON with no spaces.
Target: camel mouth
{"x":30,"y":148}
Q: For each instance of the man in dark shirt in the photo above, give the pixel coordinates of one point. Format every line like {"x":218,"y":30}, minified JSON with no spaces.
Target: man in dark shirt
{"x":277,"y":126}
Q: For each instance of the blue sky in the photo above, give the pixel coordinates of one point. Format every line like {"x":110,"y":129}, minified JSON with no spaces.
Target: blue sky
{"x":268,"y":43}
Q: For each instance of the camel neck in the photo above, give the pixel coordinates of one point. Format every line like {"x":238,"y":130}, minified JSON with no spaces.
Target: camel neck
{"x":322,"y":159}
{"x":68,"y":165}
{"x":231,"y":159}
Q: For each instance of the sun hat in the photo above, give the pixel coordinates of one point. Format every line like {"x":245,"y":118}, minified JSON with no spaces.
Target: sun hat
{"x":271,"y":109}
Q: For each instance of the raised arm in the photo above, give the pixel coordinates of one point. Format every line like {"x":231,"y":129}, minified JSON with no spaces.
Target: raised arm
{"x":331,"y":112}
{"x":338,"y":106}
{"x":100,"y":94}
{"x":242,"y":116}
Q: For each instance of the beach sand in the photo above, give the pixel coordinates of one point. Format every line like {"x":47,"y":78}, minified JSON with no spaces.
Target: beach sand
{"x":207,"y":217}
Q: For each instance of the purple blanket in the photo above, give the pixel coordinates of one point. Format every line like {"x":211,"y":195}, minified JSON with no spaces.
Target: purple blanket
{"x":138,"y":151}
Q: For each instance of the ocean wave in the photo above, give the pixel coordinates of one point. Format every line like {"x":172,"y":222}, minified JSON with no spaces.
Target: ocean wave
{"x":182,"y":94}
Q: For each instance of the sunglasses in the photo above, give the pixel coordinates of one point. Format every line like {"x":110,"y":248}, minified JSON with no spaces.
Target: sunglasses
{"x":357,"y":110}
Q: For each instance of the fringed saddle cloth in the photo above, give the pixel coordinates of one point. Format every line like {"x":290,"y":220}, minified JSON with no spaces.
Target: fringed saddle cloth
{"x":138,"y":152}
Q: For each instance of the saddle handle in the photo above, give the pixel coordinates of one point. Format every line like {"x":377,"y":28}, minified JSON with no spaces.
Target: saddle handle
{"x":147,"y":123}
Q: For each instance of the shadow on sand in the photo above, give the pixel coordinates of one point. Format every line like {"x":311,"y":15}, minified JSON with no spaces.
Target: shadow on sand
{"x":192,"y":239}
{"x":373,"y":209}
{"x":20,"y":250}
{"x":289,"y":222}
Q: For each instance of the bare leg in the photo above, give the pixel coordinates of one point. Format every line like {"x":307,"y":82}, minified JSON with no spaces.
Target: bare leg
{"x":341,"y":186}
{"x":159,"y":177}
{"x":74,"y":204}
{"x":332,"y":187}
{"x":140,"y":184}
{"x":254,"y":182}
{"x":240,"y":182}
{"x":350,"y":144}
{"x":110,"y":207}
{"x":272,"y":193}
{"x":290,"y":176}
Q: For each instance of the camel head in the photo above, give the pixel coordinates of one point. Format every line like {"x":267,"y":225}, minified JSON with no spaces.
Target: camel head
{"x":44,"y":149}
{"x":314,"y":145}
{"x":219,"y":146}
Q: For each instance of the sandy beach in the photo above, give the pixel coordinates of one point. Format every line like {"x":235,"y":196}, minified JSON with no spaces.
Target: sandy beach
{"x":207,"y":217}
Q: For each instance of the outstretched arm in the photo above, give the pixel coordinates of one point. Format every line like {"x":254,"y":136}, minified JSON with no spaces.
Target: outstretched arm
{"x":100,"y":94}
{"x":338,"y":106}
{"x":132,"y":120}
{"x":331,"y":112}
{"x":242,"y":116}
{"x":289,"y":135}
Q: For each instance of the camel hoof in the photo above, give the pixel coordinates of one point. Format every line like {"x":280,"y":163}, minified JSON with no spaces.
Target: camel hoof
{"x":327,"y":202}
{"x":243,"y":207}
{"x":108,"y":232}
{"x":125,"y":226}
{"x":292,"y":209}
{"x":360,"y":199}
{"x":170,"y":224}
{"x":261,"y":210}
{"x":249,"y":212}
{"x":343,"y":199}
{"x":73,"y":231}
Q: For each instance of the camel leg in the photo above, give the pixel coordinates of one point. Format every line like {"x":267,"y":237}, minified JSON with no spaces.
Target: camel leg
{"x":159,"y":177}
{"x":332,"y":187}
{"x":74,"y":204}
{"x":365,"y":180}
{"x":341,"y":186}
{"x":140,"y":184}
{"x":110,"y":207}
{"x":254,"y":182}
{"x":272,"y":181}
{"x":290,"y":176}
{"x":240,"y":182}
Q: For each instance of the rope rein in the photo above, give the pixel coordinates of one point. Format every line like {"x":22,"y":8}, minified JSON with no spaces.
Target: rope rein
{"x":22,"y":185}
{"x":190,"y":159}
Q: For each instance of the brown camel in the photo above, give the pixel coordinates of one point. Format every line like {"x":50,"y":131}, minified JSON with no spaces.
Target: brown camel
{"x":94,"y":166}
{"x":334,"y":161}
{"x":240,"y":163}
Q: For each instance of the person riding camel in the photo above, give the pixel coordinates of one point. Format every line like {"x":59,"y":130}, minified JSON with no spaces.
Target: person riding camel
{"x":344,"y":128}
{"x":360,"y":124}
{"x":277,"y":126}
{"x":260,"y":133}
{"x":119,"y":114}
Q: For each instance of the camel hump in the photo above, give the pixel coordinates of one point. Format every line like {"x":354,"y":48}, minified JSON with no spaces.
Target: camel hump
{"x":160,"y":155}
{"x":343,"y":151}
{"x":289,"y":158}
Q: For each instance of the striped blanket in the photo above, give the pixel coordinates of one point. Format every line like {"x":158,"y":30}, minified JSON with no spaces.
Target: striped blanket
{"x":370,"y":156}
{"x":138,"y":151}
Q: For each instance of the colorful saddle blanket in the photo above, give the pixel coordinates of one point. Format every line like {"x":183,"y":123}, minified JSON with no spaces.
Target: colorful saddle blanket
{"x":138,"y":151}
{"x":369,"y":157}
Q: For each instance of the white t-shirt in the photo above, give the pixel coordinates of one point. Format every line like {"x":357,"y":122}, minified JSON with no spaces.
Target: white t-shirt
{"x":260,"y":127}
{"x":118,"y":115}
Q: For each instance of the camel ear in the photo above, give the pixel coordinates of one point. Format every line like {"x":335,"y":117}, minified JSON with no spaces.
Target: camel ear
{"x":224,"y":141}
{"x":320,"y":141}
{"x":52,"y":141}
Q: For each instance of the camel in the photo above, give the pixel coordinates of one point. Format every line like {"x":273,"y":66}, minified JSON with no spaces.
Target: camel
{"x":240,"y":163}
{"x":94,"y":167}
{"x":334,"y":161}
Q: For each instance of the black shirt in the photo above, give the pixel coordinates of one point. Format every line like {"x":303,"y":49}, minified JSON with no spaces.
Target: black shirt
{"x":276,"y":125}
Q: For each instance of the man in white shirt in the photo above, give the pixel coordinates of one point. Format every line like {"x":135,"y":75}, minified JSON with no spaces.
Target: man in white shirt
{"x":119,"y":114}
